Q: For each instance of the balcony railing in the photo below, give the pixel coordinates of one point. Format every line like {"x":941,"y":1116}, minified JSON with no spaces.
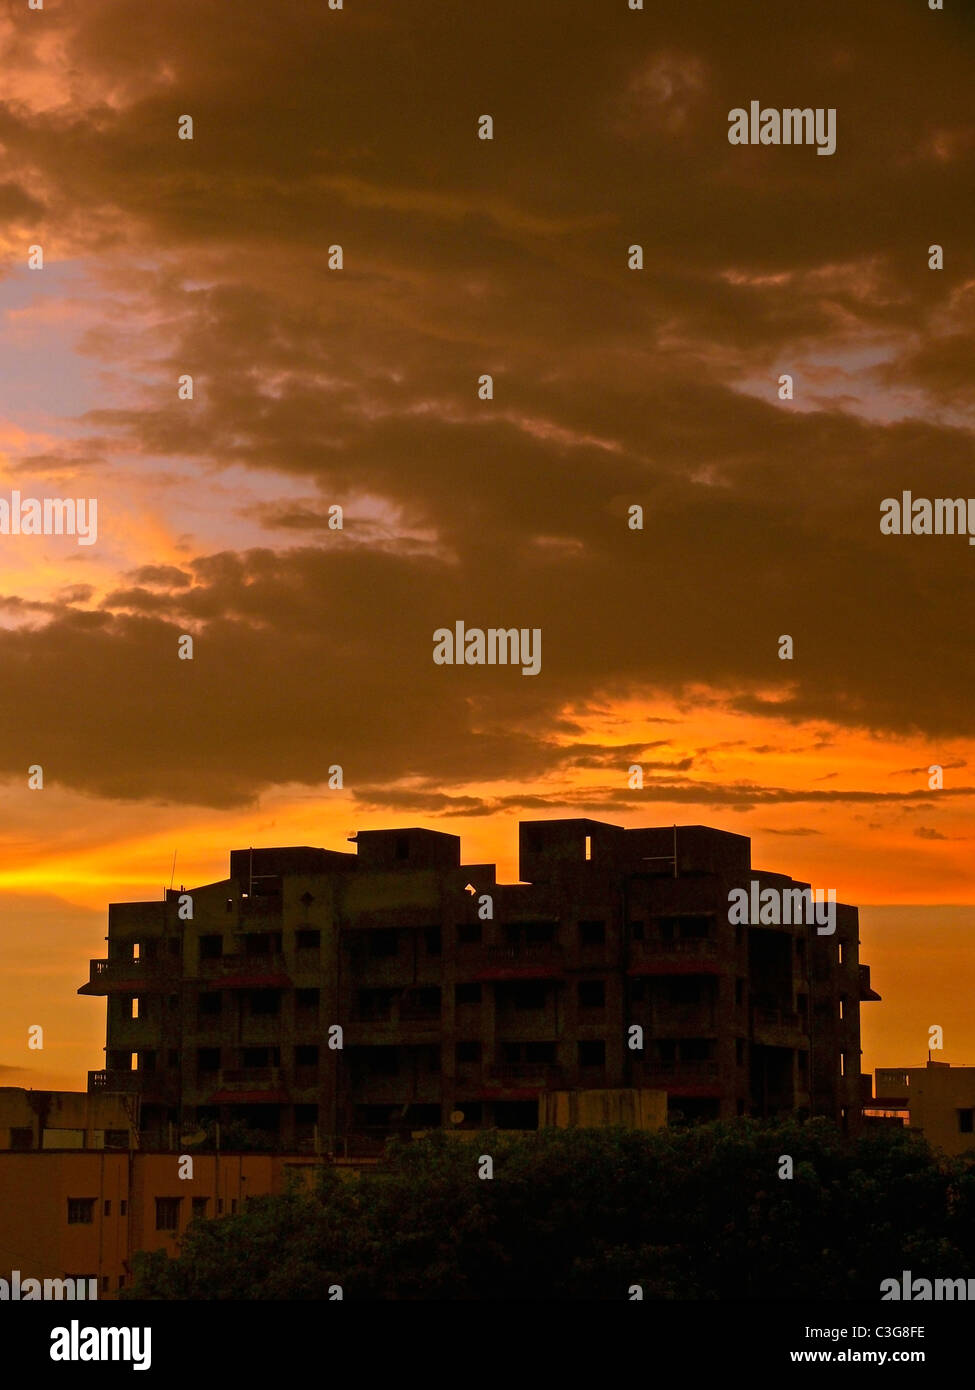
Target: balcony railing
{"x":776,"y":1018}
{"x":680,"y":1070}
{"x":536,"y":953}
{"x":249,"y":1079}
{"x":144,"y":971}
{"x":548,"y":1073}
{"x":151,"y":1085}
{"x":128,"y":1081}
{"x":241,"y":963}
{"x":680,"y":946}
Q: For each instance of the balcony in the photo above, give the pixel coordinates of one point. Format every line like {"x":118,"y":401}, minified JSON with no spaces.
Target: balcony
{"x":538,"y":961}
{"x":528,"y":1073}
{"x":778,"y":1027}
{"x":129,"y":976}
{"x":249,"y":1078}
{"x":683,"y":1020}
{"x":691,"y":1077}
{"x":127,"y":1081}
{"x":241,"y":971}
{"x":150,"y":1085}
{"x":691,"y":955}
{"x":240,"y":1085}
{"x":392,"y":1028}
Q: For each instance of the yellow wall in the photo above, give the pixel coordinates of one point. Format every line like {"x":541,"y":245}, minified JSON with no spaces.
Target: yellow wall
{"x":935,"y":1095}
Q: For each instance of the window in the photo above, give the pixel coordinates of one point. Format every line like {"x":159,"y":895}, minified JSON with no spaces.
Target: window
{"x":308,"y":940}
{"x":174,"y":945}
{"x":265,"y":1002}
{"x":121,"y":1281}
{"x":468,"y":1052}
{"x":468,"y":933}
{"x":383,"y":942}
{"x":588,"y":848}
{"x":800,"y":949}
{"x":81,"y":1211}
{"x":542,"y":1053}
{"x":382,"y":1061}
{"x":22,"y":1138}
{"x":636,"y":931}
{"x":592,"y":933}
{"x":104,"y":1283}
{"x":696,"y":1049}
{"x":592,"y":1054}
{"x":172,"y":1057}
{"x":306,"y":1055}
{"x":468,"y":994}
{"x":116,"y":1138}
{"x":256,"y":1057}
{"x":685,"y":990}
{"x":107,"y":1208}
{"x":123,"y":1208}
{"x":528,"y":994}
{"x":739,"y":991}
{"x":592,"y":994}
{"x":233,"y":1206}
{"x":965,"y":1121}
{"x":135,"y":1006}
{"x":230,"y":904}
{"x":208,"y":1059}
{"x":539,"y":933}
{"x":740,"y":1051}
{"x":210,"y":1004}
{"x":211,"y":947}
{"x":167,"y":1213}
{"x":307,"y":998}
{"x":220,"y":1206}
{"x":432,"y":938}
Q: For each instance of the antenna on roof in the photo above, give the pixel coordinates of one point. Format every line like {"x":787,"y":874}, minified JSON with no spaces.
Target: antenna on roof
{"x":173,"y":874}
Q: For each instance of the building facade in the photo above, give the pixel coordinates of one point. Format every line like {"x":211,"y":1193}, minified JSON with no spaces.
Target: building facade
{"x":327,"y":1000}
{"x":937,"y":1100}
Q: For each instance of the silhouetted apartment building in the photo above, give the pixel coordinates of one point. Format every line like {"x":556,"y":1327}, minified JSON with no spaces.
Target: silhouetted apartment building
{"x":462,"y":1001}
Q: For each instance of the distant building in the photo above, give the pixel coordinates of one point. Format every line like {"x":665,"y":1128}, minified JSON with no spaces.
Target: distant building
{"x":938,"y":1100}
{"x":462,"y":1002}
{"x":82,"y":1215}
{"x":67,"y":1120}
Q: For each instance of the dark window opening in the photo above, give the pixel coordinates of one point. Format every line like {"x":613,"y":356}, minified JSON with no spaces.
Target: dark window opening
{"x":81,"y":1211}
{"x":592,"y":994}
{"x":592,"y":1054}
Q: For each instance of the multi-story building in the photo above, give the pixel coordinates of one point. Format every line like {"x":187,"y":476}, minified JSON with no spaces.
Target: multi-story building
{"x":937,"y":1100}
{"x":328,"y":998}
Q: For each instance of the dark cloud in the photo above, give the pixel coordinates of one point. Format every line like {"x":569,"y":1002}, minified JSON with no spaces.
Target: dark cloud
{"x":612,"y":387}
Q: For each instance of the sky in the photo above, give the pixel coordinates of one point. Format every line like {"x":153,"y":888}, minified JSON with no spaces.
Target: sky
{"x":358,"y":387}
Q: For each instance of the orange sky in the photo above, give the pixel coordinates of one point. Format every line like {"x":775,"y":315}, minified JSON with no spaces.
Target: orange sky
{"x":315,"y":387}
